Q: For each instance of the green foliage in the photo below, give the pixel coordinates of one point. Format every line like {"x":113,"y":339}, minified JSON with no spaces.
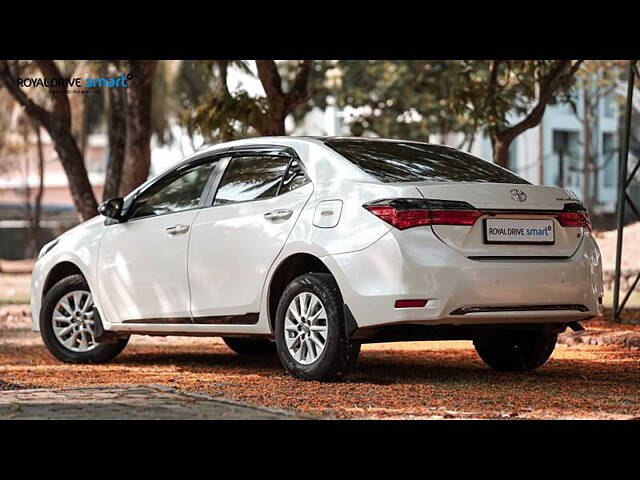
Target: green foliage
{"x":516,"y":90}
{"x":210,"y":109}
{"x":221,"y":117}
{"x":416,"y":99}
{"x":398,"y":99}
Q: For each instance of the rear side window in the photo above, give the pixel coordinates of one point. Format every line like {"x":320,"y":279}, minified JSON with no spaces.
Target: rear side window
{"x":295,"y":178}
{"x":251,"y":178}
{"x":391,"y":161}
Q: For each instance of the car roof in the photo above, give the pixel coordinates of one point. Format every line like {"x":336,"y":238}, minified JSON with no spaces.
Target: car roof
{"x":291,"y":140}
{"x":317,"y":139}
{"x":271,"y":140}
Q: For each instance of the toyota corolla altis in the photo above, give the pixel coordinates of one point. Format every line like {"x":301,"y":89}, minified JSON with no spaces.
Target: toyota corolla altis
{"x":314,"y":246}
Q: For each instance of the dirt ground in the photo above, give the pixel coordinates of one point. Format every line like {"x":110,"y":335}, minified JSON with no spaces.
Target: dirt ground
{"x":400,"y":380}
{"x":630,"y":247}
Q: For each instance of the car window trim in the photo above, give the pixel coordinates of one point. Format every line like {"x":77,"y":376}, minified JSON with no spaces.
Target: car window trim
{"x":255,"y":151}
{"x":221,"y":167}
{"x":192,"y":162}
{"x":244,"y":155}
{"x":286,"y":172}
{"x":268,"y":149}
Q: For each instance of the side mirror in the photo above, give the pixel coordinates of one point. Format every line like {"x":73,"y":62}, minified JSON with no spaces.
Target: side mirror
{"x":112,"y":208}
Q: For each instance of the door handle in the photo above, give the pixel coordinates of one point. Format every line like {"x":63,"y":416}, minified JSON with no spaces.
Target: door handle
{"x":278,"y":215}
{"x":176,"y":229}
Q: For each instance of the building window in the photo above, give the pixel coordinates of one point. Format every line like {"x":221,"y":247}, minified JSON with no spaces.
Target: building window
{"x":567,"y":157}
{"x":609,"y":160}
{"x":610,"y":107}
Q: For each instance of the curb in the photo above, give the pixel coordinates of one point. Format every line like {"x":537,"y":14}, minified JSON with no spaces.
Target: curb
{"x":622,"y":338}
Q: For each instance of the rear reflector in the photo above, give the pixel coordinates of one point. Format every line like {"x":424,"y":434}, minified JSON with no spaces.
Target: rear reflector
{"x":410,"y":303}
{"x":405,"y":213}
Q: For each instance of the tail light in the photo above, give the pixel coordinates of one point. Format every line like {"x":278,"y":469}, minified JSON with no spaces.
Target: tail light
{"x":405,"y":213}
{"x":574,"y":215}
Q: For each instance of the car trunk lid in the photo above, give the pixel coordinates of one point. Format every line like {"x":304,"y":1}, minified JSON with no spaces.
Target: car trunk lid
{"x":529,"y":205}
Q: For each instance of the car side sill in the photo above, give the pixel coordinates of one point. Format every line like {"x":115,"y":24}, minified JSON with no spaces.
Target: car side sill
{"x":246,"y":319}
{"x":517,"y":258}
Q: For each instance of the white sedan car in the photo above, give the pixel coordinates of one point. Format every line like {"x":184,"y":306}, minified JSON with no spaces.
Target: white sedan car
{"x":313,"y":246}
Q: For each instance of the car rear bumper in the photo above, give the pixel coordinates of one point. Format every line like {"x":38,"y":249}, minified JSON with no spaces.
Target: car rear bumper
{"x":462,"y":291}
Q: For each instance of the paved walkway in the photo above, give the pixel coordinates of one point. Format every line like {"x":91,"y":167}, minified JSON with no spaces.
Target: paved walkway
{"x":127,"y":402}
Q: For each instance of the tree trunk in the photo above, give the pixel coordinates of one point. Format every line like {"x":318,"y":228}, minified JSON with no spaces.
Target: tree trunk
{"x":276,"y":128}
{"x":501,"y":146}
{"x":26,"y":192}
{"x":540,"y":156}
{"x":138,"y":151}
{"x":74,"y":167}
{"x":596,"y":191}
{"x":57,"y":123}
{"x":117,"y":132}
{"x":547,"y":85}
{"x":78,"y":108}
{"x":281,"y":103}
{"x":37,"y":203}
{"x":586,"y":152}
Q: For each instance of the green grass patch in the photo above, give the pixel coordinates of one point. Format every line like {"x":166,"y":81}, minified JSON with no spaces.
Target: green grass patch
{"x":14,"y":301}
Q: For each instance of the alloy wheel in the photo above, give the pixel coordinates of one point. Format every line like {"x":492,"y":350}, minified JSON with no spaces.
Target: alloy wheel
{"x":73,"y":323}
{"x":306,"y":328}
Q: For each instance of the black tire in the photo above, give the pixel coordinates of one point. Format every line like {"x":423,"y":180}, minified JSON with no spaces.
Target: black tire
{"x":516,"y":351}
{"x":339,"y":354}
{"x":250,"y":346}
{"x":100,"y":354}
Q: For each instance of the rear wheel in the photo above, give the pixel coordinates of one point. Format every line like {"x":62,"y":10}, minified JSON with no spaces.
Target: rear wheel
{"x":516,"y":351}
{"x":67,"y":324}
{"x":310,"y":333}
{"x":250,"y":346}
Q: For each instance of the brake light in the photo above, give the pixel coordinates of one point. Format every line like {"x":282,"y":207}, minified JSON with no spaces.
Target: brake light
{"x":574,"y":215}
{"x":405,"y":213}
{"x":574,"y":219}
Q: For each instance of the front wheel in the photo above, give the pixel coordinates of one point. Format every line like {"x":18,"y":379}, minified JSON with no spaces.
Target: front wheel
{"x":310,"y":334}
{"x":516,"y":351}
{"x":67,"y":324}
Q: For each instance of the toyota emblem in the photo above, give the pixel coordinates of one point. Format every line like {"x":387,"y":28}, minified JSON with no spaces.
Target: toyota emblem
{"x":518,"y":195}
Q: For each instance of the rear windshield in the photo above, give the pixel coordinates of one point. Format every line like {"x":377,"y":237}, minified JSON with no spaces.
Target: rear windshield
{"x":391,"y":161}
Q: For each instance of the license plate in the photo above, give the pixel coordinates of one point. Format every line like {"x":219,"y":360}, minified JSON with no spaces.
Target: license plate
{"x":507,"y":230}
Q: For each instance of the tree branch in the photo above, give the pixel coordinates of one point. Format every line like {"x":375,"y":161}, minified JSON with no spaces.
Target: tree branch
{"x":490,"y":101}
{"x":298,"y":93}
{"x":281,"y":103}
{"x":222,"y":71}
{"x":61,"y":107}
{"x":270,"y":79}
{"x":32,"y":109}
{"x":548,"y":85}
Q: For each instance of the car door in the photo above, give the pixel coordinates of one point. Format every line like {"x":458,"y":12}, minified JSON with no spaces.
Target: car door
{"x":236,"y":239}
{"x":143,"y":260}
